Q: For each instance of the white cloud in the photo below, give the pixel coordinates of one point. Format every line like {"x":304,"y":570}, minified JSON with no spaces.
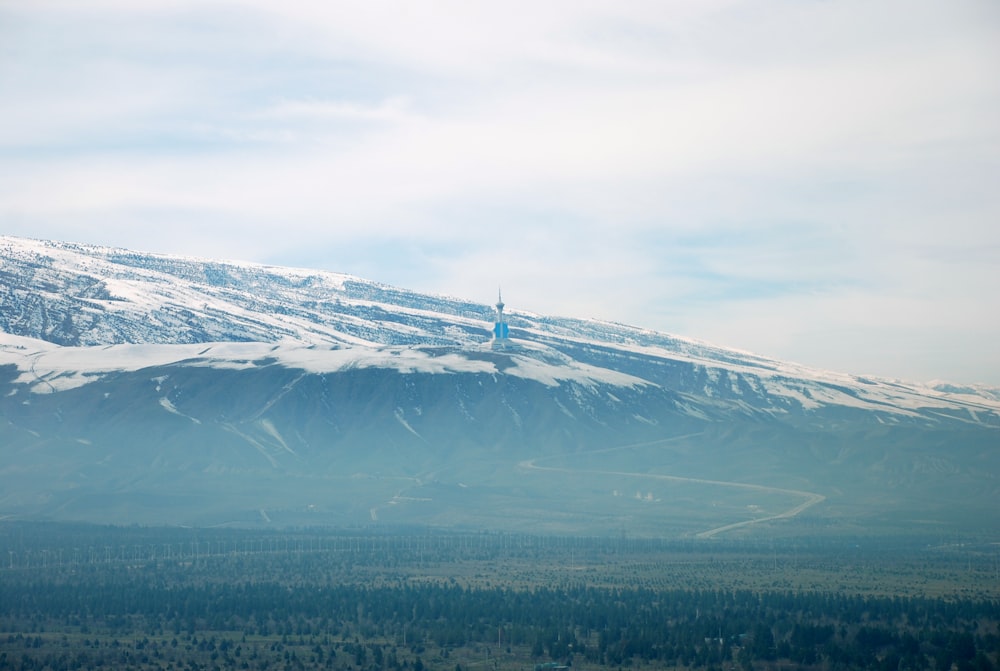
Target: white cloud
{"x":730,"y":170}
{"x":391,"y":109}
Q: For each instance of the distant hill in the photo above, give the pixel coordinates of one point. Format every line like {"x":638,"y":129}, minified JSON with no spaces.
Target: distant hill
{"x":142,"y":388}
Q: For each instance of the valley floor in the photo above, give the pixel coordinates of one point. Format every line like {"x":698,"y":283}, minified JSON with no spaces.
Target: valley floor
{"x":415,"y":600}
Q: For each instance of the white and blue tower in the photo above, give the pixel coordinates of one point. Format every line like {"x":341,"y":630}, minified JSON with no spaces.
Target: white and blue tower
{"x":500,"y":329}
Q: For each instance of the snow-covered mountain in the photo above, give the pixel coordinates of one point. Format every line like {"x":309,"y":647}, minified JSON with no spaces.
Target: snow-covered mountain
{"x":142,"y":387}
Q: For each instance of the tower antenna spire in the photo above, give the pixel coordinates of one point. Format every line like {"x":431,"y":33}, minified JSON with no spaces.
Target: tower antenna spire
{"x":500,"y":328}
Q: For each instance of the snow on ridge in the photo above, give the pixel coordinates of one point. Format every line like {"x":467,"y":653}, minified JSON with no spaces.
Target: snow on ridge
{"x":161,"y":298}
{"x":970,"y":391}
{"x":156,"y":296}
{"x":48,"y":368}
{"x":80,"y":253}
{"x":581,"y":373}
{"x":787,"y":379}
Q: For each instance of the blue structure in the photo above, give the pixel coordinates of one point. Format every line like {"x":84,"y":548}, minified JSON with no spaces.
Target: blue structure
{"x":500,"y":329}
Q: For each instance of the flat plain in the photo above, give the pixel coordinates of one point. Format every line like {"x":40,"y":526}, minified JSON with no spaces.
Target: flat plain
{"x":76,"y":596}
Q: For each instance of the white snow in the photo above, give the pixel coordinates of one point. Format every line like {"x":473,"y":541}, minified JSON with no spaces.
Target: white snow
{"x":406,"y":425}
{"x":272,"y":431}
{"x":163,"y":297}
{"x":171,"y":408}
{"x":47,"y":367}
{"x":554,"y":375}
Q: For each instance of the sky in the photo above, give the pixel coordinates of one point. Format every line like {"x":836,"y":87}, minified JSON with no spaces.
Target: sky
{"x":812,"y":180}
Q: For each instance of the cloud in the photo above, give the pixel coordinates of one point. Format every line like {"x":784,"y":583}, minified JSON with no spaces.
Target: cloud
{"x":392,"y":109}
{"x":754,"y":173}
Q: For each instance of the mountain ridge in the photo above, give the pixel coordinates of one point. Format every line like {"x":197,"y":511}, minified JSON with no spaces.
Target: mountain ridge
{"x":128,"y":377}
{"x":333,"y":308}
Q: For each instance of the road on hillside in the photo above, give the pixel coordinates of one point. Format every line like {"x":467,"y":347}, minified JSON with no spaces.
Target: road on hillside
{"x":810,"y":499}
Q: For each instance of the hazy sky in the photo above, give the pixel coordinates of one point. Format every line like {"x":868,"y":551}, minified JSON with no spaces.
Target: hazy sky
{"x":815,"y":180}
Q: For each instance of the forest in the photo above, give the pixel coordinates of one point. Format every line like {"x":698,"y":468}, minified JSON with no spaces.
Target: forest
{"x":84,"y":597}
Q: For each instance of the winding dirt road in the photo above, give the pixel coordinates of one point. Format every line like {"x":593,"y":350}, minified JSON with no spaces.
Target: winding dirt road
{"x":810,"y":498}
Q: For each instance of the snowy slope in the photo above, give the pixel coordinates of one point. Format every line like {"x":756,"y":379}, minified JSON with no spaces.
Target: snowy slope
{"x":47,"y":368}
{"x":85,"y":296}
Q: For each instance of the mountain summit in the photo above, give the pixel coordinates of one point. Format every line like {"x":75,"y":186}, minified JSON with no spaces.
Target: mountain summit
{"x":149,"y":388}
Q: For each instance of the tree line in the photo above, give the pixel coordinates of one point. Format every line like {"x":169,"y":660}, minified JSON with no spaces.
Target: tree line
{"x":576,"y":625}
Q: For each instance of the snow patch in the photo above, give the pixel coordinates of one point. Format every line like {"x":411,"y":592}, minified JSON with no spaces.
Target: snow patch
{"x":48,"y":367}
{"x":169,"y":407}
{"x":272,"y":431}
{"x":406,"y":425}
